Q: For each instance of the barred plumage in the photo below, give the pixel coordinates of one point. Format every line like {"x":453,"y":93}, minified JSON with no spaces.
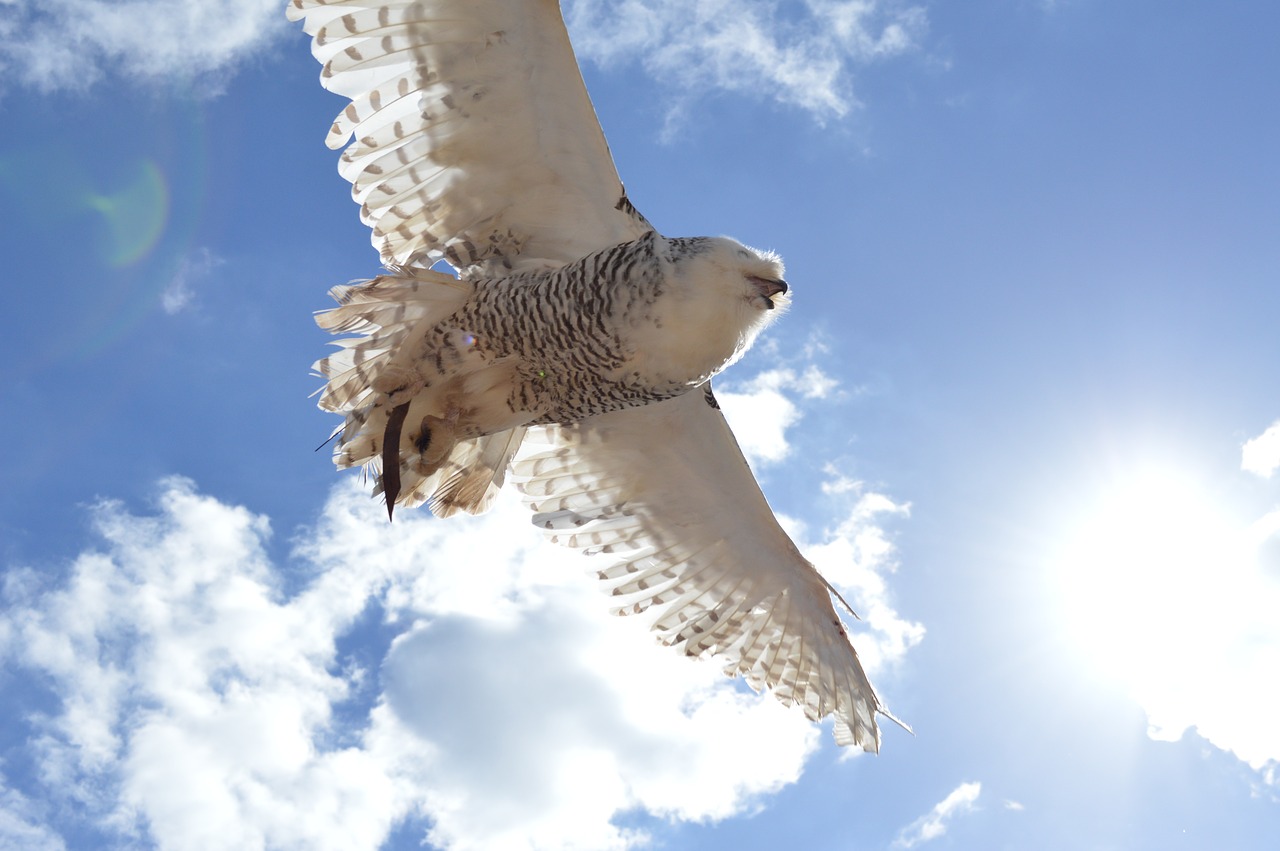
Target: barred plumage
{"x":446,"y":361}
{"x":573,"y":323}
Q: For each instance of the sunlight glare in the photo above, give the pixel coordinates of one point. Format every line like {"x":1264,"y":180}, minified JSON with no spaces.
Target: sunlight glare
{"x":1153,"y":571}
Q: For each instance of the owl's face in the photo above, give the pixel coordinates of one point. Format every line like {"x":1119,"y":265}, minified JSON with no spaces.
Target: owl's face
{"x":743,"y":273}
{"x":718,"y":294}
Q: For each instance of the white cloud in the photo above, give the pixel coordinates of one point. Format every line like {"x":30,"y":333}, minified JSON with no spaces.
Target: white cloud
{"x":856,"y":556}
{"x":760,"y":412}
{"x":856,"y":553}
{"x":546,"y":715}
{"x":1222,"y":683}
{"x":21,"y":825}
{"x":200,"y":704}
{"x":192,"y":695}
{"x":803,"y":57}
{"x":1261,"y":455}
{"x":933,"y":824}
{"x":196,"y":266}
{"x":1176,"y":600}
{"x":69,"y":44}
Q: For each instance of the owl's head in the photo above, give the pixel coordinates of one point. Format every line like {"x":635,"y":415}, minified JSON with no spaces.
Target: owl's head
{"x":717,"y":295}
{"x":723,"y":266}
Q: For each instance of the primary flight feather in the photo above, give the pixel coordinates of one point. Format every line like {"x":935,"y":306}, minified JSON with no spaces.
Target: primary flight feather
{"x":572,"y":324}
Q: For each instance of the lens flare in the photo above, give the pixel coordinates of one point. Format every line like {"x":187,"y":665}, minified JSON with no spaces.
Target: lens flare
{"x":123,"y":215}
{"x":135,"y":216}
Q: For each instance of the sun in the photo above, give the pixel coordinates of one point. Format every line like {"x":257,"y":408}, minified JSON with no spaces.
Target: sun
{"x":1152,"y":570}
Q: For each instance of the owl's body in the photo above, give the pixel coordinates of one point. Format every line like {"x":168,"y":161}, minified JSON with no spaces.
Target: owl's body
{"x":446,"y":362}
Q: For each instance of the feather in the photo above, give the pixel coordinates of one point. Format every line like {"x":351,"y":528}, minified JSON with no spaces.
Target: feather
{"x":452,"y":82}
{"x":473,"y":474}
{"x":709,"y":555}
{"x":386,"y":310}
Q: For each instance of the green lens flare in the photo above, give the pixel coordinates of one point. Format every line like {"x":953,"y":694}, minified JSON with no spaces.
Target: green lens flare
{"x":135,"y":216}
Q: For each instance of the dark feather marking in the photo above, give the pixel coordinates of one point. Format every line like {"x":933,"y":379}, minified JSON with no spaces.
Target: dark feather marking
{"x":424,"y":440}
{"x":709,"y":396}
{"x":391,"y":456}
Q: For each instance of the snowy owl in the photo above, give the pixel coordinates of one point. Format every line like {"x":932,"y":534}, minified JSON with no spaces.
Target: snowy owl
{"x":570,"y":319}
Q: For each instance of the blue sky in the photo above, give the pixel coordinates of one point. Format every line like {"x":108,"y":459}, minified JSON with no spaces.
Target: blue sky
{"x":1024,"y":411}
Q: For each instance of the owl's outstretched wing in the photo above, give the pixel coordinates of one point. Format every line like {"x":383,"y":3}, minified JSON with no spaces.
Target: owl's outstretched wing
{"x":474,"y":139}
{"x":665,"y":492}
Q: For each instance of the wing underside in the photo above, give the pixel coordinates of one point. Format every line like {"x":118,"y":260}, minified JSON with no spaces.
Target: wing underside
{"x":665,"y":493}
{"x":473,"y":139}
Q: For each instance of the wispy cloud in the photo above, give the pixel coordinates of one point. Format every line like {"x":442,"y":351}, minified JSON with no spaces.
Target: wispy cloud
{"x":21,"y":825}
{"x":69,"y":44}
{"x":804,"y":55}
{"x":934,"y":823}
{"x":198,"y":702}
{"x":1261,"y":455}
{"x":192,"y":269}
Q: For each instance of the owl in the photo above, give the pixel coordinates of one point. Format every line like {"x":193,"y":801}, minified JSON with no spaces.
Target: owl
{"x":570,"y":324}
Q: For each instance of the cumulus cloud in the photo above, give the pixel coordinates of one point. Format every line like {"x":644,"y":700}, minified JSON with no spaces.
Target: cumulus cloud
{"x":933,"y":824}
{"x":69,"y":44}
{"x":798,"y":54}
{"x":1231,"y":700}
{"x":1187,"y":620}
{"x":202,"y":705}
{"x":857,"y":555}
{"x":460,"y":672}
{"x":192,"y":695}
{"x":761,"y":412}
{"x":1261,"y":455}
{"x":855,"y":552}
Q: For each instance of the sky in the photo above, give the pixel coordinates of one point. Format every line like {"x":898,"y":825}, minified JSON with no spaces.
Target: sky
{"x":1024,"y":413}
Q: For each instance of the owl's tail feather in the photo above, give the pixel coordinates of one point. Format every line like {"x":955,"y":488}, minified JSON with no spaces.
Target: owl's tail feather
{"x":470,"y":478}
{"x":385,"y":312}
{"x":416,"y":432}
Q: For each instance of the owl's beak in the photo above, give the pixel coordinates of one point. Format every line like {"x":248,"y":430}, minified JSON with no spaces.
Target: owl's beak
{"x":768,"y":288}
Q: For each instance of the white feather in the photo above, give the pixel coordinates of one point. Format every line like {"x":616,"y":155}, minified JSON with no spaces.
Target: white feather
{"x":666,"y":490}
{"x":473,"y":131}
